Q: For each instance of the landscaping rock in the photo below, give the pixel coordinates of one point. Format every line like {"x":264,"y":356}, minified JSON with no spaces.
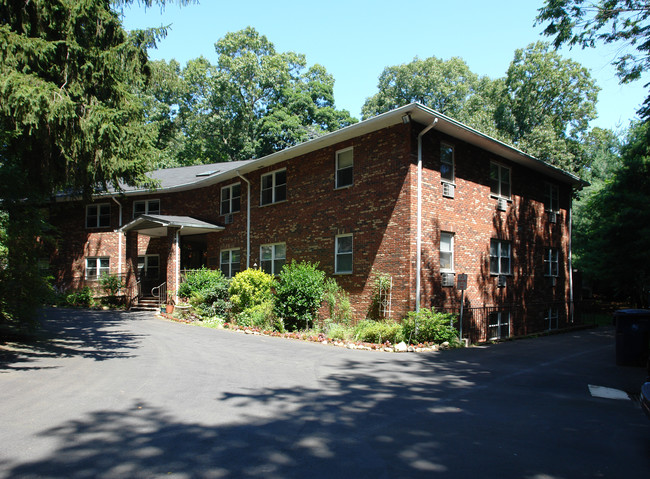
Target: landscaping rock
{"x":401,"y":347}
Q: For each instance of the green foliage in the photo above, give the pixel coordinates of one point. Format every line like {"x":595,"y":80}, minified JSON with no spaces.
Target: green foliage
{"x":623,"y":22}
{"x":339,"y":331}
{"x":429,"y":326}
{"x":614,"y":234}
{"x":81,"y":298}
{"x":110,"y":284}
{"x":253,"y":102}
{"x":378,"y":331}
{"x":299,"y":294}
{"x":338,"y":302}
{"x":260,"y":316}
{"x":250,"y":288}
{"x":207,"y":291}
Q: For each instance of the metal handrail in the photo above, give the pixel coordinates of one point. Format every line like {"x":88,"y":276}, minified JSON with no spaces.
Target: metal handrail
{"x":160,"y":292}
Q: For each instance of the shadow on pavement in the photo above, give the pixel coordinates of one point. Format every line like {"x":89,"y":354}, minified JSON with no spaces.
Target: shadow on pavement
{"x":97,"y":335}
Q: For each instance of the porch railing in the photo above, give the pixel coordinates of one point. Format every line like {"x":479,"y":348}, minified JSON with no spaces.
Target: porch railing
{"x":160,"y":292}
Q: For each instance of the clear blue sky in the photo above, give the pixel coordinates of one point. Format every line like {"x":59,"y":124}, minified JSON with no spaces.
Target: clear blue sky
{"x":356,"y":39}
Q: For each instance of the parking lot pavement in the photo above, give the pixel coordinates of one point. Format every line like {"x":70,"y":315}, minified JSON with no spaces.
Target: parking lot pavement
{"x":127,"y":395}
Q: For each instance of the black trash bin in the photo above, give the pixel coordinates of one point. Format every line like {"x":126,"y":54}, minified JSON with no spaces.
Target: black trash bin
{"x":632,"y":336}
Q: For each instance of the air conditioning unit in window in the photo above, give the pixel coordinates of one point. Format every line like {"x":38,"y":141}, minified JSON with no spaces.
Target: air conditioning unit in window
{"x":227,"y":219}
{"x":448,"y":190}
{"x":552,"y":217}
{"x":447,"y":279}
{"x":502,"y":204}
{"x":501,"y":281}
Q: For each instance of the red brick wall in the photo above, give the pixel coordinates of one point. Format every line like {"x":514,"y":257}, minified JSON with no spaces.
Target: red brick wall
{"x":379,"y":210}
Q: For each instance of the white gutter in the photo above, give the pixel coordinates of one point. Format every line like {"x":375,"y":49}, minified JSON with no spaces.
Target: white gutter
{"x":119,"y":237}
{"x":418,"y":266}
{"x":248,"y":219}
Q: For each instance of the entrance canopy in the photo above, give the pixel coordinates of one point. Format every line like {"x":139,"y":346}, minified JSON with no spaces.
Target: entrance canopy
{"x":156,"y":225}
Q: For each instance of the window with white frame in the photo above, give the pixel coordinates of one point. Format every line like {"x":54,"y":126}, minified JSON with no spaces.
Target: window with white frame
{"x":98,"y":216}
{"x":447,"y":163}
{"x":344,"y":168}
{"x":148,"y":266}
{"x":552,"y":198}
{"x":551,"y":262}
{"x":146,"y":207}
{"x":499,"y":325}
{"x":273,"y":257}
{"x":446,"y":252}
{"x":500,"y":180}
{"x":230,"y":263}
{"x":230,"y":199}
{"x":500,"y":252}
{"x":274,"y":187}
{"x":343,"y":256}
{"x":96,"y":267}
{"x":552,"y":318}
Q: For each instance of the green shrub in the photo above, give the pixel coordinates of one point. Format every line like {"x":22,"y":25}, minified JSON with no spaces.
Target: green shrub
{"x":260,"y":316}
{"x":432,"y":327}
{"x":378,"y":331}
{"x":207,"y":292}
{"x":339,"y":331}
{"x":111,"y":284}
{"x":338,"y":302}
{"x":80,"y":298}
{"x":250,"y":288}
{"x":299,"y":293}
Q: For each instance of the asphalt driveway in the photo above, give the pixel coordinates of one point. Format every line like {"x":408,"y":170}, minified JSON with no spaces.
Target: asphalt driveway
{"x":122,"y":395}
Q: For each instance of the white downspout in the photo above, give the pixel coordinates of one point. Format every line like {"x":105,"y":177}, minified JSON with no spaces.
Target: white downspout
{"x":571,"y":305}
{"x":177,"y":248}
{"x":119,"y":242}
{"x":248,"y":220}
{"x":418,"y":246}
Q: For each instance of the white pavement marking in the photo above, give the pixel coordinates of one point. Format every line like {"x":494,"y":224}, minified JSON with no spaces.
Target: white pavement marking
{"x":607,"y":393}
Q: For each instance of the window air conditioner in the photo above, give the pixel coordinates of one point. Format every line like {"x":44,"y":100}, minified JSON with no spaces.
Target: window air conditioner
{"x":502,"y":204}
{"x":227,"y":219}
{"x":552,"y":217}
{"x":447,"y":279}
{"x":448,"y":190}
{"x":501,"y":281}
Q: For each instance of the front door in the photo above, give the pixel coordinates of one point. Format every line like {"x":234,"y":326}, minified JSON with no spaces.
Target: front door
{"x":149,"y":272}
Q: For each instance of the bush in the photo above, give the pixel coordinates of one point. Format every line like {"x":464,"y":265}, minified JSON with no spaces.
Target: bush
{"x":299,"y":293}
{"x":338,"y":302}
{"x":339,"y":331}
{"x":260,"y":316}
{"x":250,"y":288}
{"x":81,"y":298}
{"x":111,"y":285}
{"x":378,"y":331}
{"x":432,"y":327}
{"x":207,"y":292}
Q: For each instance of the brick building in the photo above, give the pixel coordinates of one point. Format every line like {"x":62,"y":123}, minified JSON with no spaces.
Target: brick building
{"x":410,"y":193}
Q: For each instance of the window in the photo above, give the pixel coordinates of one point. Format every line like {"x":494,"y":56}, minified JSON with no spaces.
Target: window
{"x":230,"y":199}
{"x":273,"y":257}
{"x":230,"y":262}
{"x":447,"y":163}
{"x":551,"y":263}
{"x":343,"y":257}
{"x":447,"y":252}
{"x":552,"y":198}
{"x":274,"y":187}
{"x":344,"y":168}
{"x":499,"y":180}
{"x":552,"y":318}
{"x":95,"y":267}
{"x":499,"y":325}
{"x":149,"y":266}
{"x":98,"y":216}
{"x":499,"y":257}
{"x":146,"y":207}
